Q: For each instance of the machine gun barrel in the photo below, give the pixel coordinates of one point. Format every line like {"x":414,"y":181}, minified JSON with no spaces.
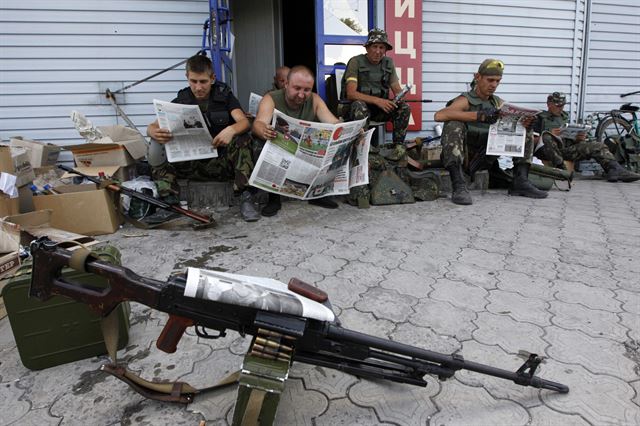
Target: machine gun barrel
{"x":315,"y":342}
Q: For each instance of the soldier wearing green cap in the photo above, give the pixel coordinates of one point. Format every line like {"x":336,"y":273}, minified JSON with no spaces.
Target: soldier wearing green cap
{"x":464,"y":136}
{"x":556,"y":149}
{"x":368,"y":81}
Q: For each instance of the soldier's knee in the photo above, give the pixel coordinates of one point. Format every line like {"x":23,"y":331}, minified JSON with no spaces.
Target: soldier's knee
{"x":156,"y":155}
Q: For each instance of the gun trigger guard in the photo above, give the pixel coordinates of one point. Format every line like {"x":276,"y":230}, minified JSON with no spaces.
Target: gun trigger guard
{"x":202,"y":332}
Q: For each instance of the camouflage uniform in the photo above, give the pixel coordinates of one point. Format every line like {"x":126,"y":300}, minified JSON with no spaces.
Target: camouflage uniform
{"x":557,"y":151}
{"x":234,"y":162}
{"x":468,"y":141}
{"x":375,"y":80}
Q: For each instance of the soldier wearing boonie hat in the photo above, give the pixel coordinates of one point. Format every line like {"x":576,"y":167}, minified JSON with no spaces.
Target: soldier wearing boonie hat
{"x":464,"y":136}
{"x":369,"y":80}
{"x":557,"y":98}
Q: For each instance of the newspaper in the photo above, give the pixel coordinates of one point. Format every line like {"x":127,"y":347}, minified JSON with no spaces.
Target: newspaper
{"x":507,"y":135}
{"x":310,"y":160}
{"x":191,"y":139}
{"x":254,"y":292}
{"x":571,"y":131}
{"x":254,"y":101}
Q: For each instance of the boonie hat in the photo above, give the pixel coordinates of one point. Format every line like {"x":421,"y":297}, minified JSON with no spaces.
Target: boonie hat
{"x":491,"y":67}
{"x":557,"y":98}
{"x":377,"y":35}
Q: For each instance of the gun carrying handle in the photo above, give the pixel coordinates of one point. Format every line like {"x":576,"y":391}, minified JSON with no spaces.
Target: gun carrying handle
{"x":307,"y":290}
{"x":172,"y":333}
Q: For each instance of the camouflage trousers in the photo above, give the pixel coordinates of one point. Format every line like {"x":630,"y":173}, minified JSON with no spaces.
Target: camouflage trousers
{"x":399,"y":117}
{"x":235,"y":162}
{"x":458,"y":148}
{"x":557,"y":151}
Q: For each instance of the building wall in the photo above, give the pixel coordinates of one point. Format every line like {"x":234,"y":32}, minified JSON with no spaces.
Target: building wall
{"x":539,"y":42}
{"x":614,"y":54}
{"x":59,"y":56}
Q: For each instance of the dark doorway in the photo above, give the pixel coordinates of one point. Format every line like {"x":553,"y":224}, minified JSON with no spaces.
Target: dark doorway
{"x":299,"y":33}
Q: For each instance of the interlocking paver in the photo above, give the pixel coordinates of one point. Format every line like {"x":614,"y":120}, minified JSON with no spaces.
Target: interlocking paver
{"x":598,"y":398}
{"x":485,"y":278}
{"x":525,"y":285}
{"x":591,"y":276}
{"x":444,"y":318}
{"x":386,"y":304}
{"x":510,"y":335}
{"x":529,"y":266}
{"x":598,"y":355}
{"x":397,"y":403}
{"x":425,"y":338}
{"x":543,"y":416}
{"x":333,"y":384}
{"x":464,"y":405}
{"x":344,"y":412}
{"x":594,"y":322}
{"x":587,"y":295}
{"x":363,"y":273}
{"x":518,"y":307}
{"x":471,"y":297}
{"x":408,"y":283}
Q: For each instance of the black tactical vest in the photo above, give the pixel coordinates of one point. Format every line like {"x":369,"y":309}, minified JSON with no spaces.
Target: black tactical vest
{"x":215,"y":110}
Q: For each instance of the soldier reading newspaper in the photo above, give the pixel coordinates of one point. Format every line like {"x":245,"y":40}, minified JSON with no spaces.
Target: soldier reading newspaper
{"x":308,"y":160}
{"x":507,"y":135}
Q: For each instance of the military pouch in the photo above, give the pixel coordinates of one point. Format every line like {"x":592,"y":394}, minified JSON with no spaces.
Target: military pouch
{"x":219,"y":118}
{"x":425,"y":185}
{"x":390,"y":189}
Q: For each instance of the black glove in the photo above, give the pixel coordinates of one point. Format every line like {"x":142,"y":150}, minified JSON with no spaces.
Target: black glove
{"x":488,"y":115}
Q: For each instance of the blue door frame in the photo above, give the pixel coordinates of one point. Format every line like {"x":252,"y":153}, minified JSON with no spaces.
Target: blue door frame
{"x":323,"y":39}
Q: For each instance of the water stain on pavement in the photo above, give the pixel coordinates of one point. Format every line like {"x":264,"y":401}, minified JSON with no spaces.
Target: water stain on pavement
{"x":202,"y":260}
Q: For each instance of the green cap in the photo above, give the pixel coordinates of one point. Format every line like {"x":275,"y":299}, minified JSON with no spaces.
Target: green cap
{"x":491,"y":67}
{"x":557,"y":98}
{"x":377,"y":35}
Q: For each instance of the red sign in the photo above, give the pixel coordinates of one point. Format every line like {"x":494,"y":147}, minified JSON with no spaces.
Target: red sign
{"x":403,"y":24}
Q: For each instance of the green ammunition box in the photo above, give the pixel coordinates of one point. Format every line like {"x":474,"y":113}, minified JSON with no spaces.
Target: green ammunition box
{"x":59,"y":330}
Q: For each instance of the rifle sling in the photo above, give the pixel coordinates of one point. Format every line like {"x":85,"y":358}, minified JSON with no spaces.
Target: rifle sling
{"x":254,"y":407}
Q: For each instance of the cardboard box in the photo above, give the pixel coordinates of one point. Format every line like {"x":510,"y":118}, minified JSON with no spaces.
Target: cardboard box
{"x":15,"y":161}
{"x":121,"y":146}
{"x":22,"y":204}
{"x":82,"y":209}
{"x":434,"y":153}
{"x":40,"y":153}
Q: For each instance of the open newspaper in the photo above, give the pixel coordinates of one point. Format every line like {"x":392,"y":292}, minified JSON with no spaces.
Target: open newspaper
{"x":254,"y":292}
{"x":571,"y":131}
{"x":191,"y":139}
{"x":254,"y":101}
{"x":507,"y":135}
{"x":310,"y":160}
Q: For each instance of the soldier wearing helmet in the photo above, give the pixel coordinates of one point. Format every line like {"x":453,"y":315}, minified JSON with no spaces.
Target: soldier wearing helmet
{"x":556,"y":149}
{"x":369,"y":80}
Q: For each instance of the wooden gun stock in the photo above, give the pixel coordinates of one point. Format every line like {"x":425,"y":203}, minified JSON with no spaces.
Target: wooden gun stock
{"x":307,"y":290}
{"x":172,"y":333}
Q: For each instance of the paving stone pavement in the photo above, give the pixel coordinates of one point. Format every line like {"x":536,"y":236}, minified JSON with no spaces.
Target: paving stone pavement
{"x":560,"y":277}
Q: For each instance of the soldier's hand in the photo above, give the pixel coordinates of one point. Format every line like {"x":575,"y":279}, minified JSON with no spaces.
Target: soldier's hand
{"x":161,"y":136}
{"x":581,"y":136}
{"x":386,"y":105}
{"x":556,"y":131}
{"x":488,"y":115}
{"x":224,"y":137}
{"x":527,"y":121}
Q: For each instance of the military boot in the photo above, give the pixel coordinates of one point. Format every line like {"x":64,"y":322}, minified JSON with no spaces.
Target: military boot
{"x":273,"y":205}
{"x":522,"y":186}
{"x":248,"y":207}
{"x":615,"y":172}
{"x":459,"y":193}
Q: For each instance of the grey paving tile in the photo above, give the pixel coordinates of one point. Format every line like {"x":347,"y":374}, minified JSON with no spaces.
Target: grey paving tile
{"x":595,"y":323}
{"x":543,"y":416}
{"x":366,"y":323}
{"x":473,"y":275}
{"x":333,"y":384}
{"x":512,"y":336}
{"x":14,"y":407}
{"x":386,"y":304}
{"x":532,"y":267}
{"x":362,"y":273}
{"x":465,"y":405}
{"x":397,"y":403}
{"x":444,"y":319}
{"x":460,"y":294}
{"x":587,"y":295}
{"x":38,"y":417}
{"x":408,"y":283}
{"x":299,"y":406}
{"x":425,"y":338}
{"x":518,"y":307}
{"x":631,"y":321}
{"x":525,"y":285}
{"x":322,"y":264}
{"x":598,"y":355}
{"x":343,"y":412}
{"x":481,"y":258}
{"x":342,"y":292}
{"x":599,"y":399}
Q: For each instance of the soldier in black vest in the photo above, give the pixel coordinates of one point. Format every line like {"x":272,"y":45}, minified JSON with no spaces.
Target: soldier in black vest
{"x":367,"y":82}
{"x":557,"y":149}
{"x":467,"y":119}
{"x":228,"y":127}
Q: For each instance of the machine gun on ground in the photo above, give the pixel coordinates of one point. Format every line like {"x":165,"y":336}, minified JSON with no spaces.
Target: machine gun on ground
{"x":280,"y":332}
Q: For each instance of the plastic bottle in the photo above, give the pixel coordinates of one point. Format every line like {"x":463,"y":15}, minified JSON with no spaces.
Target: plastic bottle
{"x":34,"y":190}
{"x":48,"y":189}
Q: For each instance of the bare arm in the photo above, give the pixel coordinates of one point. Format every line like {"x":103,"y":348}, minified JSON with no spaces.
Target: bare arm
{"x":240,"y":126}
{"x":262,"y":124}
{"x":322,"y":111}
{"x":161,"y":136}
{"x":457,"y":111}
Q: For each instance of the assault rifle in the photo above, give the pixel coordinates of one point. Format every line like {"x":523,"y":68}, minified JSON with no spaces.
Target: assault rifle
{"x":205,"y":221}
{"x":309,"y":340}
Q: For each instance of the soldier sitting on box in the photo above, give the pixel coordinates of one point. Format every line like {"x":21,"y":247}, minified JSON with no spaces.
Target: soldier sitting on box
{"x":228,"y":127}
{"x":367,"y":82}
{"x":557,"y":149}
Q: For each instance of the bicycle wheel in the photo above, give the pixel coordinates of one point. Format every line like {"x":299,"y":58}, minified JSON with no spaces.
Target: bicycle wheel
{"x":612,"y":126}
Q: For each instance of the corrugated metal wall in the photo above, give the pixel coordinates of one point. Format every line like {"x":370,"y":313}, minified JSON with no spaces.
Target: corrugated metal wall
{"x":614,"y":54}
{"x":57,"y":56}
{"x":539,"y":42}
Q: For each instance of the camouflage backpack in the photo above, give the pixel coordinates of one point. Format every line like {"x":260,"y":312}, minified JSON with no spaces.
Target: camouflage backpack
{"x":626,"y":149}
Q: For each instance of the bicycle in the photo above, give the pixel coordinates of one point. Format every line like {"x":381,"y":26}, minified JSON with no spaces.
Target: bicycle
{"x":615,"y":123}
